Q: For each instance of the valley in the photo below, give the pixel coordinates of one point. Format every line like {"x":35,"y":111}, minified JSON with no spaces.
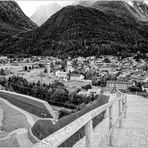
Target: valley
{"x":65,"y":60}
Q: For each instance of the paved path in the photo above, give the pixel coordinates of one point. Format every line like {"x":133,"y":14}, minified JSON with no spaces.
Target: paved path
{"x":134,"y":133}
{"x":1,"y":116}
{"x":22,"y":138}
{"x":135,"y":130}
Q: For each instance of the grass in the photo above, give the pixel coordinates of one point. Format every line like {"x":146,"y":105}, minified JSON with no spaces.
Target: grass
{"x":13,"y":119}
{"x":73,"y":85}
{"x":29,"y":105}
{"x":35,"y":76}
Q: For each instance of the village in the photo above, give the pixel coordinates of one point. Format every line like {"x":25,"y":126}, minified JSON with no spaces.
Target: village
{"x":105,"y":71}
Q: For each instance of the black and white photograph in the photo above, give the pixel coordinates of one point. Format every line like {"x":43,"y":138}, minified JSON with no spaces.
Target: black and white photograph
{"x":74,"y":73}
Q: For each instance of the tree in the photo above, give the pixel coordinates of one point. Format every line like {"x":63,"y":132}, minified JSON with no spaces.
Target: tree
{"x":59,"y":95}
{"x":107,"y":60}
{"x":51,"y":67}
{"x":88,"y":75}
{"x":57,"y":84}
{"x":25,"y":68}
{"x":2,"y":71}
{"x":45,"y":70}
{"x":38,"y":83}
{"x":86,"y":87}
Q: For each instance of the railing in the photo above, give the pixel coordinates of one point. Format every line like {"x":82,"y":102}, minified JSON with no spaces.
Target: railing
{"x":57,"y":138}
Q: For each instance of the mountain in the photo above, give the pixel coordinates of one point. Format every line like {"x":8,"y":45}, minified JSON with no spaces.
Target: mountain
{"x":83,"y":31}
{"x":13,"y":20}
{"x":118,"y":8}
{"x":137,"y":10}
{"x":142,"y":10}
{"x":44,"y":12}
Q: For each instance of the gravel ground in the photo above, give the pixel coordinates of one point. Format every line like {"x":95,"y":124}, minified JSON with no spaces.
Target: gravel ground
{"x":13,"y":119}
{"x":10,"y":142}
{"x":134,"y":132}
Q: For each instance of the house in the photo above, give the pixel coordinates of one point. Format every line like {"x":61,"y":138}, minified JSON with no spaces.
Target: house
{"x":76,"y":77}
{"x":80,"y":59}
{"x":145,"y":86}
{"x":35,"y":65}
{"x":4,"y":59}
{"x":44,"y":62}
{"x":118,"y":84}
{"x":105,"y":68}
{"x":69,"y":67}
{"x":62,"y":75}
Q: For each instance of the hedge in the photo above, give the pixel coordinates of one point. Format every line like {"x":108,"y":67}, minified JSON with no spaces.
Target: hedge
{"x":44,"y":128}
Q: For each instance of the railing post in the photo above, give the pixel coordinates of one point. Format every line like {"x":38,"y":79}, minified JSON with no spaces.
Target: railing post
{"x":120,"y":121}
{"x":120,"y":108}
{"x":125,"y":107}
{"x":89,"y":134}
{"x":110,"y":125}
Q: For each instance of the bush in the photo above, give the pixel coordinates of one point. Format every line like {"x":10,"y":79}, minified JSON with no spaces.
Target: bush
{"x":86,"y":87}
{"x":25,"y":68}
{"x":63,"y":113}
{"x":134,"y":89}
{"x":45,"y":70}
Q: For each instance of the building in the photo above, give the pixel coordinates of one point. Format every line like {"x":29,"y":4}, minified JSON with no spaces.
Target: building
{"x":76,"y":77}
{"x":145,"y":86}
{"x":44,"y":62}
{"x":69,"y":67}
{"x":62,"y":75}
{"x":118,"y":84}
{"x":4,"y":59}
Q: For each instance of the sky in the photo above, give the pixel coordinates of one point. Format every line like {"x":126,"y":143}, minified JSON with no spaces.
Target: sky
{"x":29,"y":7}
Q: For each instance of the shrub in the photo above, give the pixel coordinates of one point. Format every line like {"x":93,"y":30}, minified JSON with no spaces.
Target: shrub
{"x":45,"y":70}
{"x":63,"y":113}
{"x":25,"y":68}
{"x":86,"y":87}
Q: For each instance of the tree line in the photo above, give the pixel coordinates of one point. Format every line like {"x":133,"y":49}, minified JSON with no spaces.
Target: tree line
{"x":54,"y":93}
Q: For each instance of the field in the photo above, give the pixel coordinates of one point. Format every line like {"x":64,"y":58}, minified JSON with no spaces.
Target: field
{"x":38,"y":75}
{"x":33,"y":76}
{"x":73,"y":85}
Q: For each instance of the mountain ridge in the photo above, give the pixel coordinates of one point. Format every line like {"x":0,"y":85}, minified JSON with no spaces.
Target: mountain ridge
{"x":78,"y":30}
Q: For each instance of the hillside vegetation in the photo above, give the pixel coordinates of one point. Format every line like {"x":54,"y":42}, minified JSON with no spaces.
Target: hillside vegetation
{"x":77,"y":30}
{"x":83,"y":31}
{"x":13,"y":20}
